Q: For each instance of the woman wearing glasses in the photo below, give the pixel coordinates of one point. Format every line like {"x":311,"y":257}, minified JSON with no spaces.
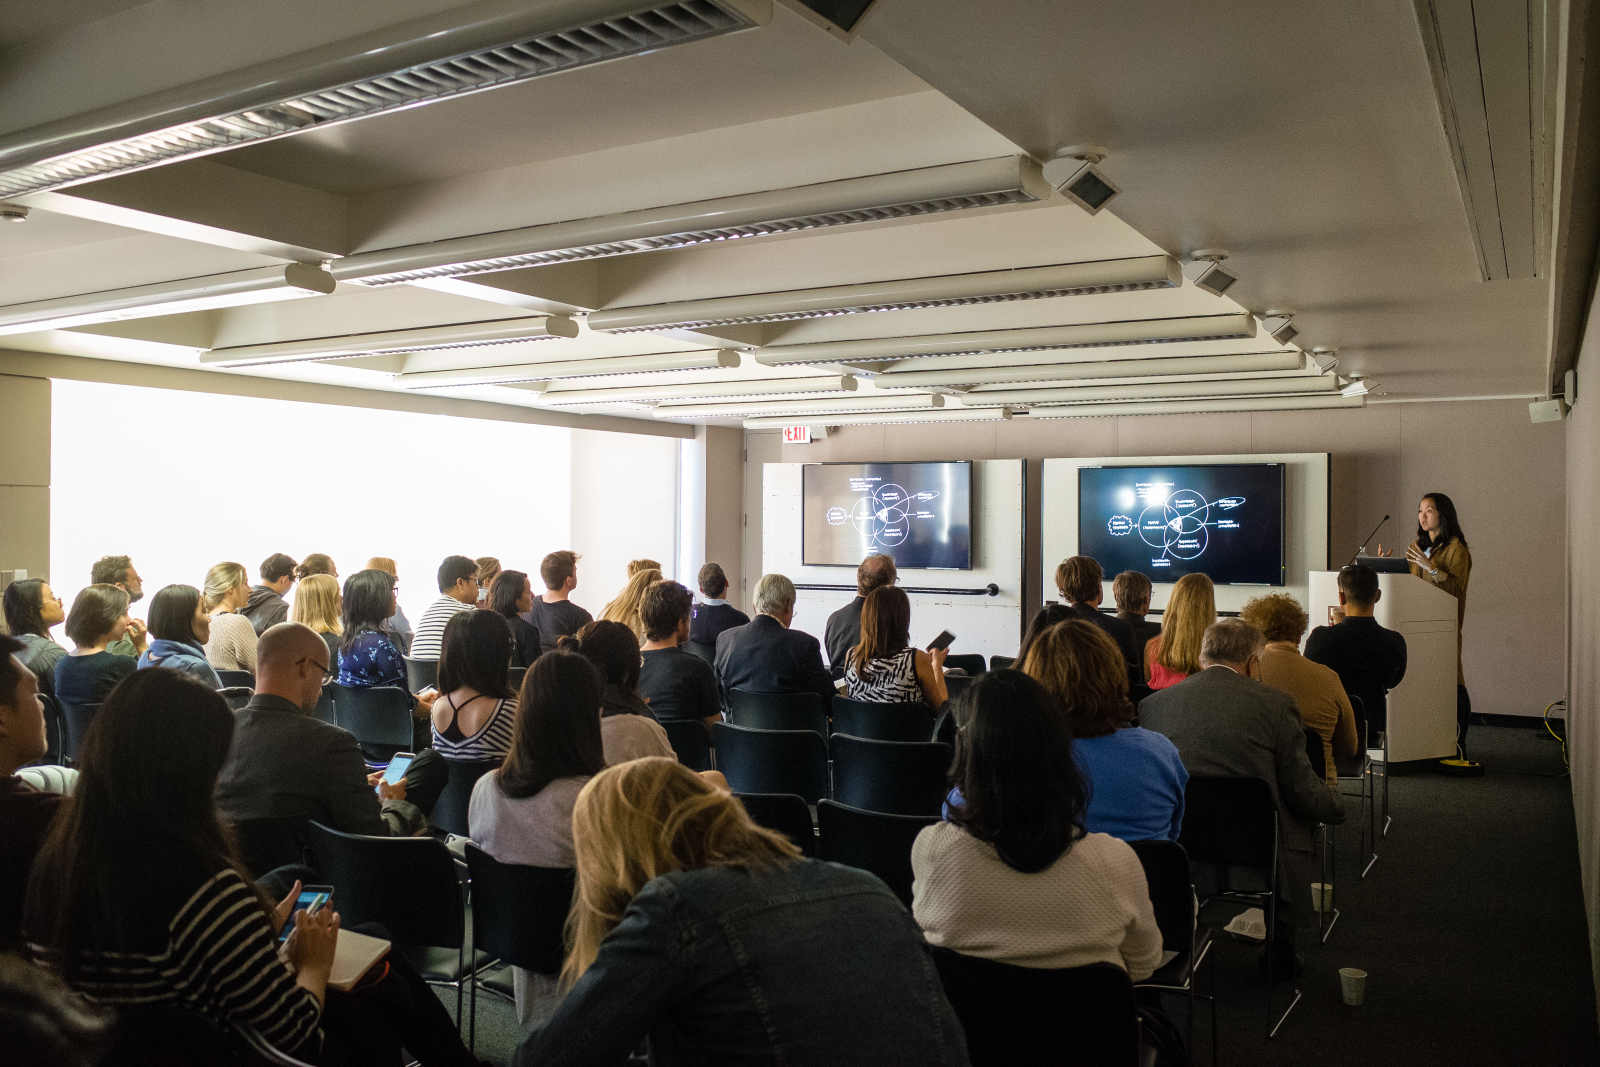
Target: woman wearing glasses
{"x":31,"y":609}
{"x":370,"y":656}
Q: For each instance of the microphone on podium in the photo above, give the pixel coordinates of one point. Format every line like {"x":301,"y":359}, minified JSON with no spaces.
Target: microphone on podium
{"x":1370,"y":536}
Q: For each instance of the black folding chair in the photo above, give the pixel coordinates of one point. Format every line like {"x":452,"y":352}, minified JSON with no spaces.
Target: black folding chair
{"x":1318,"y":757}
{"x":379,"y":716}
{"x":970,"y":662}
{"x":267,"y":844}
{"x":956,"y":684}
{"x":237,"y":679}
{"x":450,"y":811}
{"x":175,"y":1037}
{"x":772,"y":761}
{"x":778,"y":711}
{"x":514,"y":676}
{"x":77,"y":718}
{"x":236,"y":696}
{"x":1000,"y":663}
{"x":1171,"y":888}
{"x":54,"y":730}
{"x":894,"y":777}
{"x":690,"y":742}
{"x":705,"y":651}
{"x":883,"y":722}
{"x":872,"y":841}
{"x":1035,"y":1015}
{"x":421,"y":673}
{"x":518,"y":915}
{"x":785,"y":813}
{"x":1360,"y":769}
{"x":325,"y":709}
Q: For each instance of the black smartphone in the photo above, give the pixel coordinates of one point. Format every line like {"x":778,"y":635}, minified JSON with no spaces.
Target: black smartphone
{"x":942,"y":641}
{"x":313,"y":898}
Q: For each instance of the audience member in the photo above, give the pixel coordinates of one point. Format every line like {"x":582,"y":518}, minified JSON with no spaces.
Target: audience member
{"x":522,"y":812}
{"x":397,"y":623}
{"x":843,"y":631}
{"x":458,"y":589}
{"x":1317,"y":691}
{"x":509,"y":597}
{"x":713,"y":614}
{"x":181,"y":628}
{"x":765,"y":655}
{"x":1135,"y":776}
{"x":1174,"y":653}
{"x":637,"y":565}
{"x":488,"y":571}
{"x":98,"y":620}
{"x":1080,"y":580}
{"x":233,"y":640}
{"x":1043,"y":619}
{"x":1225,"y":722}
{"x":25,"y":812}
{"x":1370,"y":659}
{"x":712,"y":937}
{"x":553,"y":614}
{"x":288,"y":764}
{"x":1012,"y":875}
{"x":31,"y":609}
{"x":625,"y":608}
{"x":266,"y":607}
{"x":317,"y":604}
{"x":675,"y":683}
{"x":316,"y":563}
{"x":472,"y":717}
{"x":139,"y":900}
{"x":628,"y":728}
{"x":1132,"y":592}
{"x":883,"y":668}
{"x":370,"y":656}
{"x":118,"y":571}
{"x":45,"y":1024}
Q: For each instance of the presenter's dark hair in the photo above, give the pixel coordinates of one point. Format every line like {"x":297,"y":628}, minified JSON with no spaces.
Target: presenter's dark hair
{"x":505,"y":592}
{"x":1021,"y":791}
{"x":1360,"y":584}
{"x":1449,"y":525}
{"x":24,"y":606}
{"x":556,"y":733}
{"x":474,"y":654}
{"x":172,"y":613}
{"x":456,"y":569}
{"x":368,"y":603}
{"x":614,"y":649}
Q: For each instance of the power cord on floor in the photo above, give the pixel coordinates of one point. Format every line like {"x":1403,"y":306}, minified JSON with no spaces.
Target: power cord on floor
{"x":1566,"y":764}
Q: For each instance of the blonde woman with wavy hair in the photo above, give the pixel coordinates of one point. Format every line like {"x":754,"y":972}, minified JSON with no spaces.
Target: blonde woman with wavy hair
{"x":625,"y":608}
{"x":1174,"y":653}
{"x":317,"y":604}
{"x":232,"y":646}
{"x":720,"y":942}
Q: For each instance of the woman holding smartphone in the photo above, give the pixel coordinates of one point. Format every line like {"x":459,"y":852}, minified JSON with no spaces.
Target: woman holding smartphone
{"x":884,"y":668}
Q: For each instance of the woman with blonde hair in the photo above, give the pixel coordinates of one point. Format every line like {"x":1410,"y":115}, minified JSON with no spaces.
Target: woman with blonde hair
{"x":397,"y":624}
{"x":317,"y":604}
{"x":637,"y":565}
{"x":488,"y":571}
{"x":233,"y":640}
{"x":625,"y":608}
{"x":713,"y":937}
{"x":1174,"y":653}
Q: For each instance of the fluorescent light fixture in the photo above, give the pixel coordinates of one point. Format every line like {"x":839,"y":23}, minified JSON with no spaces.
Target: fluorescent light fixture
{"x":1022,"y":283}
{"x":801,"y":409}
{"x":1249,"y":363}
{"x":703,"y":390}
{"x":449,"y":54}
{"x":1034,"y":338}
{"x":882,"y":417}
{"x":713,"y":359}
{"x":1205,"y":270}
{"x":421,"y":339}
{"x":257,"y":286}
{"x":951,"y":187}
{"x":1278,"y":326}
{"x":1194,"y":407}
{"x":1358,"y":387}
{"x":1149,"y":391}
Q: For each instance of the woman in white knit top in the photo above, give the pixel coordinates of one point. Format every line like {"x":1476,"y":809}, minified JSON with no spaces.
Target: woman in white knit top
{"x":1034,"y":890}
{"x":233,"y":640}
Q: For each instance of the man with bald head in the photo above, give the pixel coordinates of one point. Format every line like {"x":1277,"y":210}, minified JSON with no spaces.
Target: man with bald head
{"x":844,"y":626}
{"x":290,"y":767}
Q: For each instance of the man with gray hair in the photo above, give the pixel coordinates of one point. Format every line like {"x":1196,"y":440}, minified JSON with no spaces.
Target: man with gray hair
{"x":1226,"y":722}
{"x":844,"y":626}
{"x":765,"y":656}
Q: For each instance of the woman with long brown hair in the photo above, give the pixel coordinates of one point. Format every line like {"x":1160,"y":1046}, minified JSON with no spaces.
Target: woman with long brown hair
{"x":884,"y":668}
{"x":1174,"y":653}
{"x":713,"y":937}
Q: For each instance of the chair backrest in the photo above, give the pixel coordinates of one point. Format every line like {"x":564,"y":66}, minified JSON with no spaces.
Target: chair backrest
{"x":325,"y":707}
{"x":421,"y":673}
{"x":1355,"y":766}
{"x":409,"y":884}
{"x":1230,"y":820}
{"x":778,"y":711}
{"x":1316,"y":753}
{"x":970,"y":662}
{"x":267,"y":844}
{"x":871,"y":841}
{"x":514,"y":676}
{"x":54,"y":729}
{"x":450,"y":810}
{"x":896,"y":777}
{"x":772,"y":761}
{"x":230,"y":679}
{"x":1034,"y":1015}
{"x":690,"y":741}
{"x":518,"y":911}
{"x":883,"y":722}
{"x":1171,"y":887}
{"x":785,"y":813}
{"x":77,"y":718}
{"x":1000,"y":663}
{"x":237,"y":696}
{"x":379,"y":716}
{"x":707,"y":652}
{"x":956,"y":684}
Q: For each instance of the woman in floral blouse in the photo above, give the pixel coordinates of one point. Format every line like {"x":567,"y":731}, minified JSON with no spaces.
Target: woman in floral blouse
{"x":368,"y":654}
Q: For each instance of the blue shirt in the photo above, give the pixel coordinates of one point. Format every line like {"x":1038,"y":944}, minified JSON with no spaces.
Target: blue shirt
{"x":372,"y":660}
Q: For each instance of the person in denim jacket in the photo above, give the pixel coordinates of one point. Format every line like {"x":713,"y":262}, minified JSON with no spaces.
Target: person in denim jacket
{"x":181,"y":628}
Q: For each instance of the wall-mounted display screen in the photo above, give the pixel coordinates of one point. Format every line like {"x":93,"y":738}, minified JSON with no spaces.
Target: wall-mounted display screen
{"x":919,"y":513}
{"x":1222,"y":520}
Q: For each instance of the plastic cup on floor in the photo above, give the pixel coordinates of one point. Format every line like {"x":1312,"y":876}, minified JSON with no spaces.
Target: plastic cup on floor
{"x":1353,"y":984}
{"x":1322,"y":896}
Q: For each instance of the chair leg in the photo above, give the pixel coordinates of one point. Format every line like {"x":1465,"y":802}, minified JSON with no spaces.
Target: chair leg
{"x":1331,"y":844}
{"x":461,"y":969}
{"x":472,"y":1040}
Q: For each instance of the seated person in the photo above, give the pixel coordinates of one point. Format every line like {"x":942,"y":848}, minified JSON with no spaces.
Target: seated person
{"x":1013,"y":875}
{"x":1226,"y":722}
{"x":138,"y":899}
{"x":288,"y":764}
{"x":266,"y":606}
{"x":119,"y":571}
{"x":1135,"y":776}
{"x":1174,"y":653}
{"x":1132,"y":592}
{"x":232,"y":646}
{"x":318,"y":604}
{"x":509,"y":597}
{"x":884,"y":668}
{"x":1081,"y":582}
{"x":1043,"y":619}
{"x":397,"y":623}
{"x":675,"y":683}
{"x":522,"y":813}
{"x":553,"y":613}
{"x":31,"y":609}
{"x":765,"y":656}
{"x":713,"y":614}
{"x":628,"y":728}
{"x":637,"y":565}
{"x":843,"y":631}
{"x":1317,"y":692}
{"x":369,"y":655}
{"x":473,"y":715}
{"x":1369,"y":659}
{"x":715,"y":939}
{"x":25,"y":812}
{"x":99,"y":617}
{"x":458,"y":592}
{"x":488,"y":571}
{"x":625,"y":608}
{"x":180,"y":628}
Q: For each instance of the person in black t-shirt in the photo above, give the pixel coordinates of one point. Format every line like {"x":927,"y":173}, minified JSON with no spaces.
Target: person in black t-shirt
{"x":552,"y":614}
{"x":678,"y":684}
{"x":713,"y":614}
{"x":1369,"y":659}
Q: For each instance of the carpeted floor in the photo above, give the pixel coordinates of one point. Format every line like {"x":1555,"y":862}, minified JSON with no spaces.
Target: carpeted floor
{"x":1470,"y":926}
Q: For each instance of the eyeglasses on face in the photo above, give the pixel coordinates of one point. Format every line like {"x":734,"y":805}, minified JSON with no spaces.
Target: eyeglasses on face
{"x":329,"y":673}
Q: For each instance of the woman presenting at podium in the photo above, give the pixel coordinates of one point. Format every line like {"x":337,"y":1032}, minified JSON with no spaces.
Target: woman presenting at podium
{"x":1439,"y":556}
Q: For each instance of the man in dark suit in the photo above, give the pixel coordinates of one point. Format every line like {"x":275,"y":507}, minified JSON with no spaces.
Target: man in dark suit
{"x":765,"y":656}
{"x":1079,"y":579}
{"x":1369,"y":659}
{"x":844,"y":626}
{"x":713,"y":614}
{"x":1227,"y":722}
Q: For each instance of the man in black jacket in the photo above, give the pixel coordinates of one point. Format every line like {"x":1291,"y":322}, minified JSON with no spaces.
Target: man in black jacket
{"x":765,"y":656}
{"x":266,"y":607}
{"x":1369,"y":659}
{"x":844,"y":626}
{"x":713,"y":614}
{"x":1080,"y":581}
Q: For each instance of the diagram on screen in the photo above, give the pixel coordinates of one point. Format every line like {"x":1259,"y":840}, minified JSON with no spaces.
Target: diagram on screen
{"x":884,"y":513}
{"x":1178,"y":522}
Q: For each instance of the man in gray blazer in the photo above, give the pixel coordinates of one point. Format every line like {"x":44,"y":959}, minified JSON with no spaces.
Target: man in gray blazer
{"x":1226,"y":722}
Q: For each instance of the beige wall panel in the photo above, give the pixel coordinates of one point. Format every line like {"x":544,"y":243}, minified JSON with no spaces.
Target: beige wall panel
{"x":1221,"y":434}
{"x":724,"y":496}
{"x":25,"y":533}
{"x":941,"y":440}
{"x":24,"y":430}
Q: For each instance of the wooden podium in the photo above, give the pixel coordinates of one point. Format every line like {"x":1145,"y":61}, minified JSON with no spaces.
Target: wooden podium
{"x":1422,"y":709}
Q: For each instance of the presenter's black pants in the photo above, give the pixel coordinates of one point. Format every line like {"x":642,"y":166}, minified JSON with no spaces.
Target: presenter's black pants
{"x":1463,"y":716}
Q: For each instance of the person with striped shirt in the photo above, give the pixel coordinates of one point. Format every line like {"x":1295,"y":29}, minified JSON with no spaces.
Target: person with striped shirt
{"x":458,"y":586}
{"x":472,"y":719}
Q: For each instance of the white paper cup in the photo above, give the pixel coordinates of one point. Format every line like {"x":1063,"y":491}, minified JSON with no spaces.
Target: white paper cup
{"x":1353,"y":984}
{"x":1322,"y":896}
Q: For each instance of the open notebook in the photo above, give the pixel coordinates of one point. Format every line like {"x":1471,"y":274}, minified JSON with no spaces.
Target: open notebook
{"x":353,"y":957}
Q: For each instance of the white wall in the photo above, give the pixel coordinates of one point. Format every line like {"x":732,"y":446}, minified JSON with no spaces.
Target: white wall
{"x":624,"y":507}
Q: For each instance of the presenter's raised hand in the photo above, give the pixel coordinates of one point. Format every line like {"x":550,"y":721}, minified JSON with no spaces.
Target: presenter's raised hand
{"x":1382,"y":551}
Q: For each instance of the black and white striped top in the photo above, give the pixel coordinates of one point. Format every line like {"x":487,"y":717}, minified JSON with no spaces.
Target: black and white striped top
{"x":889,"y":680}
{"x":489,"y":744}
{"x":427,"y":642}
{"x":220,"y":958}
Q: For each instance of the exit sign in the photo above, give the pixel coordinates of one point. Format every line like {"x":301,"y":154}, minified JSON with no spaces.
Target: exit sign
{"x":797,"y":435}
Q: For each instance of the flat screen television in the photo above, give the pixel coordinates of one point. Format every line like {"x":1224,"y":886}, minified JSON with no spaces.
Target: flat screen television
{"x":1223,"y":520}
{"x":919,"y":513}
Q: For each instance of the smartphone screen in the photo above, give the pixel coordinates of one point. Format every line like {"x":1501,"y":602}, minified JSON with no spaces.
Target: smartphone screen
{"x":397,"y":767}
{"x":312,"y":899}
{"x":942,"y":641}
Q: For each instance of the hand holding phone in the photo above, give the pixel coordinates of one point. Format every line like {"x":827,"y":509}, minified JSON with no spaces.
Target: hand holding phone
{"x":315,"y":938}
{"x":309,"y":899}
{"x":394,"y":775}
{"x":942,"y":642}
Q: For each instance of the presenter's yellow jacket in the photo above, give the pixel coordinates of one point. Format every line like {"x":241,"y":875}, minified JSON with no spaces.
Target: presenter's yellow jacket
{"x":1455,"y":567}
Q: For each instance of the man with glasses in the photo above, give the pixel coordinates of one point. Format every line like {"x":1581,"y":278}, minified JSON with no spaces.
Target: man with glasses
{"x":289,"y":766}
{"x":118,"y":571}
{"x":844,"y":626}
{"x":458,"y":584}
